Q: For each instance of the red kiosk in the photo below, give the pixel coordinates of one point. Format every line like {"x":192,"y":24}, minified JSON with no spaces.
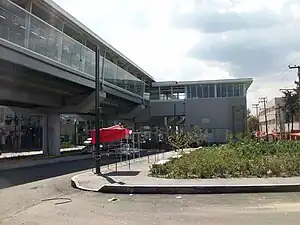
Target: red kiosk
{"x":109,"y":134}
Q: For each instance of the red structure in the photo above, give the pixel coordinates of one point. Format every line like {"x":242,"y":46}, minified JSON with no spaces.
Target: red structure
{"x":109,"y":134}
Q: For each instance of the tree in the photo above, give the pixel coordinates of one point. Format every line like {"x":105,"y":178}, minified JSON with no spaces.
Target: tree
{"x":248,"y":113}
{"x":253,"y":123}
{"x":197,"y":136}
{"x":291,"y":106}
{"x":179,"y":141}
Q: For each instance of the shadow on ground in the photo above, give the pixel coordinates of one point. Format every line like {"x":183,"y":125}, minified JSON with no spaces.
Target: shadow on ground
{"x":30,"y":174}
{"x":20,"y":176}
{"x":123,"y":173}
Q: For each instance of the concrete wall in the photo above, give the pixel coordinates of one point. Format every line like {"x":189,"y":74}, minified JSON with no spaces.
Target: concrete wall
{"x":214,"y":114}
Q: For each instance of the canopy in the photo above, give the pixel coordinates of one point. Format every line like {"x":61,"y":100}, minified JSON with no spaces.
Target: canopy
{"x":110,"y":134}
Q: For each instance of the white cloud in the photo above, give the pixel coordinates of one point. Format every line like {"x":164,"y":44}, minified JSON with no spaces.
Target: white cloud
{"x":144,"y":31}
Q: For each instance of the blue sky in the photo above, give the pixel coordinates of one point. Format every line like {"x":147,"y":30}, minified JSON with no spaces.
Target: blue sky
{"x":202,"y":39}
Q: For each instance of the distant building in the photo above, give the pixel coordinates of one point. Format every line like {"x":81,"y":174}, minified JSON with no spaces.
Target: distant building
{"x":276,"y":119}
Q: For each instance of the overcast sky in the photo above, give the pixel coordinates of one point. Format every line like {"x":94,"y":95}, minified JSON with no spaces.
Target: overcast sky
{"x":202,"y":39}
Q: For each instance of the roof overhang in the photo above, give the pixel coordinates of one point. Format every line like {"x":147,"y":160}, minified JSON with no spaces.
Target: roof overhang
{"x":246,"y":81}
{"x":93,"y":35}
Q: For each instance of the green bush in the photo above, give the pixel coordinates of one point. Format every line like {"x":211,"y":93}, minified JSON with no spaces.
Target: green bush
{"x":67,"y":145}
{"x":247,"y":158}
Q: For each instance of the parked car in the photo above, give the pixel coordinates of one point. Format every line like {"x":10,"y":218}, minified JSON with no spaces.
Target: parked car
{"x":89,"y":147}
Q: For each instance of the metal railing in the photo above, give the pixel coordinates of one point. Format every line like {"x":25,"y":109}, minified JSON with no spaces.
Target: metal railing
{"x":22,"y":28}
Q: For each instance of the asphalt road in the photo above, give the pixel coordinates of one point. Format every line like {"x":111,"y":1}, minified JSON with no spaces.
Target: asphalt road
{"x":19,"y":176}
{"x":31,"y":204}
{"x":30,"y":174}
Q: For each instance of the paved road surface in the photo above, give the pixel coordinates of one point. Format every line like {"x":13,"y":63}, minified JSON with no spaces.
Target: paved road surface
{"x":23,"y":204}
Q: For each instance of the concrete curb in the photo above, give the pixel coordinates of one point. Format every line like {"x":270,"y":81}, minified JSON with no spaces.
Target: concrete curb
{"x":75,"y":184}
{"x":198,"y":189}
{"x":190,"y":189}
{"x":39,"y":162}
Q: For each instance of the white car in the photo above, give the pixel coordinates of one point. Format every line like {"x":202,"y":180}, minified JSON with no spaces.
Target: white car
{"x":88,"y":146}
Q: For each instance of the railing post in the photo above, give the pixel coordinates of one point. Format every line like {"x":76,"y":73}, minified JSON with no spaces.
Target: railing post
{"x":60,"y":43}
{"x":28,"y":24}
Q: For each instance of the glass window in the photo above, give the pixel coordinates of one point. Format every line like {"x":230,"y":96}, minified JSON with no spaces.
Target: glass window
{"x":205,"y":91}
{"x":211,"y":90}
{"x":193,"y":91}
{"x":221,"y":90}
{"x":154,"y":94}
{"x":200,"y":91}
{"x":188,"y":90}
{"x":242,"y":91}
{"x":218,"y":90}
{"x":236,"y":90}
{"x":230,"y":90}
{"x":179,"y":92}
{"x":165,"y":93}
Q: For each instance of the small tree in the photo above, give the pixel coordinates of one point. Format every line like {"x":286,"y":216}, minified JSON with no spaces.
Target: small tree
{"x":291,"y":106}
{"x":253,"y":124}
{"x":179,"y":141}
{"x":197,"y":135}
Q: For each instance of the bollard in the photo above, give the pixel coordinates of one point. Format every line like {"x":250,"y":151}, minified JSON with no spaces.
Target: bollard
{"x":129,"y":161}
{"x":116,"y":168}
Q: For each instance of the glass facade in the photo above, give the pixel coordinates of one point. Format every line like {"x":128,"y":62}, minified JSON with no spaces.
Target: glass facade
{"x":197,"y":91}
{"x":201,"y":91}
{"x":230,"y":90}
{"x":24,"y":29}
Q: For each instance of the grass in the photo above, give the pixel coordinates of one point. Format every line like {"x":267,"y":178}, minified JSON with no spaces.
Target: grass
{"x":247,"y":158}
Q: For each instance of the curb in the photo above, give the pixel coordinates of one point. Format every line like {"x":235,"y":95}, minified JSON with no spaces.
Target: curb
{"x":189,"y":189}
{"x":198,"y":189}
{"x":39,"y":162}
{"x":75,"y":184}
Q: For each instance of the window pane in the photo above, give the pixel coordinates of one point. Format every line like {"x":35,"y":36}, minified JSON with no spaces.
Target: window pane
{"x":219,"y":90}
{"x":230,"y":90}
{"x":242,"y":91}
{"x":154,"y":94}
{"x":200,"y":91}
{"x":223,"y":90}
{"x":194,"y":91}
{"x":189,"y":93}
{"x":236,"y":90}
{"x":211,"y":90}
{"x":205,"y":90}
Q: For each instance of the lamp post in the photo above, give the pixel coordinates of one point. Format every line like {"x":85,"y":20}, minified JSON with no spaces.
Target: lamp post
{"x":97,"y":110}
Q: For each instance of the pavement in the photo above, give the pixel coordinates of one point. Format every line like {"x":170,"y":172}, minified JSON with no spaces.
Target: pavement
{"x":43,"y":196}
{"x":133,"y":177}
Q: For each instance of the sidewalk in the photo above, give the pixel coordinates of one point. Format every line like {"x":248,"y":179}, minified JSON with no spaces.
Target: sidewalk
{"x":30,"y":159}
{"x":136,"y":180}
{"x":32,"y":153}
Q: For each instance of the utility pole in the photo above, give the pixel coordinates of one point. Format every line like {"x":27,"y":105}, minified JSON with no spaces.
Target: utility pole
{"x":264,"y":100}
{"x":297,"y":82}
{"x":278,"y":114}
{"x":256,"y":107}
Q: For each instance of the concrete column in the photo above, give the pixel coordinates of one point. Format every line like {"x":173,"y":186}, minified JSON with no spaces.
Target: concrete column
{"x":51,"y":134}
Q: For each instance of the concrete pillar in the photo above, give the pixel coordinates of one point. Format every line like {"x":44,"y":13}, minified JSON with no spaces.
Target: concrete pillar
{"x":51,"y":134}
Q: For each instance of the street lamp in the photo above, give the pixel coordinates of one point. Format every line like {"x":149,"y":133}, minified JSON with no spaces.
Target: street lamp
{"x":98,"y":89}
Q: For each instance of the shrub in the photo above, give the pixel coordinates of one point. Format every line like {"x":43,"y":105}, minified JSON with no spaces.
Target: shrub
{"x":67,"y":145}
{"x":246,"y":158}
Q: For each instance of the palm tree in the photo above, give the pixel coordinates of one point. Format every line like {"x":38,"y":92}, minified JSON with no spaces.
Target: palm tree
{"x":291,"y":106}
